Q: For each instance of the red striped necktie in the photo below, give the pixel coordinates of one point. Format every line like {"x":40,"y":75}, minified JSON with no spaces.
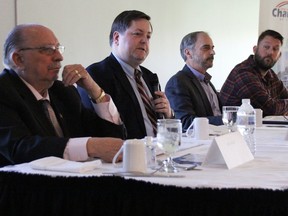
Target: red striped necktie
{"x":146,"y":101}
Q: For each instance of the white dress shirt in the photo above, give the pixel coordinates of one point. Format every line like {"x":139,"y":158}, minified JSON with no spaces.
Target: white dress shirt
{"x":129,"y":71}
{"x":76,"y":149}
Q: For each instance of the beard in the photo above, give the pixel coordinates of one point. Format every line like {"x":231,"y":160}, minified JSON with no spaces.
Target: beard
{"x":204,"y":63}
{"x":264,"y":63}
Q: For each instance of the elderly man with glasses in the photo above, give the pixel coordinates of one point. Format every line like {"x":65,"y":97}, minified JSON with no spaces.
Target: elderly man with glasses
{"x":42,"y":116}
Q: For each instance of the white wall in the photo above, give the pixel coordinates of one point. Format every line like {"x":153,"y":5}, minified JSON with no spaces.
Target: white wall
{"x":7,"y":22}
{"x":83,"y":27}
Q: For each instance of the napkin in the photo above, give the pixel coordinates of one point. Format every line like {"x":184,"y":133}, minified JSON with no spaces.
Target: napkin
{"x":62,"y":165}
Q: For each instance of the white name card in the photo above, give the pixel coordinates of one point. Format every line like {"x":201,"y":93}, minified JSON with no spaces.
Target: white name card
{"x":230,"y":150}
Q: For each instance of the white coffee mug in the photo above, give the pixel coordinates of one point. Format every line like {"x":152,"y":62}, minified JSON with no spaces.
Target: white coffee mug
{"x":200,"y":129}
{"x":259,"y":117}
{"x":134,"y":156}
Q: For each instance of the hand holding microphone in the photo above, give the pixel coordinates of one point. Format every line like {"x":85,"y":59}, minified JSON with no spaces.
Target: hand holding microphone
{"x":156,"y":87}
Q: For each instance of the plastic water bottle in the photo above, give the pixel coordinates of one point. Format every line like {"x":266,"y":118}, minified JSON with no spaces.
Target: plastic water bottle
{"x":246,"y":122}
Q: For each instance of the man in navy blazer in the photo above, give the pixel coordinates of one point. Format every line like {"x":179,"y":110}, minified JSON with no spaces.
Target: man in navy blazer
{"x":129,"y":39}
{"x":32,"y":56}
{"x":190,"y":91}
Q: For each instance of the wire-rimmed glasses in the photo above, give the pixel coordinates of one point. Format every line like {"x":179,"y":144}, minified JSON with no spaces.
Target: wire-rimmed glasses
{"x":48,"y":50}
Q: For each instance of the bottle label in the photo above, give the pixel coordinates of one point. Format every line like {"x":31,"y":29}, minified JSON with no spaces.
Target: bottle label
{"x":245,"y":120}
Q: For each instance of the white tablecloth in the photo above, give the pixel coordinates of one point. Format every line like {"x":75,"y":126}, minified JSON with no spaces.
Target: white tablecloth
{"x":269,"y":169}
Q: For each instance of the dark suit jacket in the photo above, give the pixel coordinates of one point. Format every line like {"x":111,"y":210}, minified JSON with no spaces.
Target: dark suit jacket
{"x":188,"y":99}
{"x":25,"y":132}
{"x":111,"y":77}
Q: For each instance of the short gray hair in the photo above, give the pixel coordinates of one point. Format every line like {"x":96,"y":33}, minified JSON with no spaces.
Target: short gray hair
{"x":13,"y":42}
{"x":189,"y":42}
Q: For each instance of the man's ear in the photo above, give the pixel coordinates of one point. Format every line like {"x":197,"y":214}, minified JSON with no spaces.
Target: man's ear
{"x":188,"y":53}
{"x":254,"y":49}
{"x":116,"y":37}
{"x":279,"y":56}
{"x":17,"y":59}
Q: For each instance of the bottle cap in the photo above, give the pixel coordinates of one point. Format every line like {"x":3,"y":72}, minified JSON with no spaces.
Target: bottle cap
{"x":246,"y":100}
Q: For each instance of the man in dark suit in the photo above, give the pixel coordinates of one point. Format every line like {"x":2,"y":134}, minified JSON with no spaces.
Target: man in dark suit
{"x":129,"y":40}
{"x":32,"y":58}
{"x":190,"y":91}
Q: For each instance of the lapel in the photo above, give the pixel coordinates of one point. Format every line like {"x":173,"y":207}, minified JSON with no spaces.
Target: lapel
{"x":123,"y":80}
{"x":127,"y":88}
{"x":198,"y":86}
{"x":31,"y":103}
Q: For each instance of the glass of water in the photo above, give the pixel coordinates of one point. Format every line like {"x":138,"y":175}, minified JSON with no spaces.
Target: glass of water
{"x":229,"y":117}
{"x":169,"y":132}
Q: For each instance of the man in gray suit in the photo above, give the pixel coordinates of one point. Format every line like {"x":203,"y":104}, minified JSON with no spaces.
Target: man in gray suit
{"x":190,"y":91}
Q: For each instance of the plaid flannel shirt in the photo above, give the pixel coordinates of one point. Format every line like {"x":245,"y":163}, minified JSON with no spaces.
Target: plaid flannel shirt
{"x":245,"y":81}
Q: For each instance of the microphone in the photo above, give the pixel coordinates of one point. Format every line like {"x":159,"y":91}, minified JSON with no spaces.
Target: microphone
{"x":155,"y":87}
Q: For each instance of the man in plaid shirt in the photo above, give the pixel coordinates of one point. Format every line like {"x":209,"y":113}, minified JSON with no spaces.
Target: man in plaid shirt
{"x":254,"y":78}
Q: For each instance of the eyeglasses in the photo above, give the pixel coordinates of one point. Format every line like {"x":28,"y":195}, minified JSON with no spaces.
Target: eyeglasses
{"x":48,"y":50}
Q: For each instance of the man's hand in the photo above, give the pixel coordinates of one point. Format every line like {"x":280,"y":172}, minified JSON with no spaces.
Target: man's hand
{"x":162,"y":104}
{"x":104,"y":148}
{"x":77,"y":74}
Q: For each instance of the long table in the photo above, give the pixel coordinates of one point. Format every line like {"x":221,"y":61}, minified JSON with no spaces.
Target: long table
{"x":258,"y":187}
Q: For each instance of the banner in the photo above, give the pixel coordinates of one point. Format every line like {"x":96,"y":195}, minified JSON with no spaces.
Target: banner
{"x":274,"y":15}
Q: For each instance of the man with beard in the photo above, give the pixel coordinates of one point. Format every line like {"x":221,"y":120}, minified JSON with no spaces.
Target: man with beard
{"x":190,"y":91}
{"x":254,"y":78}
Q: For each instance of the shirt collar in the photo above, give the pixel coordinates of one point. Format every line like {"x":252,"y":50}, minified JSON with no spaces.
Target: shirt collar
{"x":207,"y":77}
{"x":34,"y":91}
{"x":202,"y":77}
{"x":126,"y":67}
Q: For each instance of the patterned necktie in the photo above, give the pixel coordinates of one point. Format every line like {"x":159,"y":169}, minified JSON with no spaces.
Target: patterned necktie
{"x":146,"y":101}
{"x":50,"y":114}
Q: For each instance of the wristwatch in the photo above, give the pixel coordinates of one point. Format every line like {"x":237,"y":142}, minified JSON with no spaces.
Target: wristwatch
{"x":100,"y":98}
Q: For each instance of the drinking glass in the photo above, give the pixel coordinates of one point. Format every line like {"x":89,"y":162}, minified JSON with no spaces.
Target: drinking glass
{"x":229,"y":117}
{"x":169,"y":132}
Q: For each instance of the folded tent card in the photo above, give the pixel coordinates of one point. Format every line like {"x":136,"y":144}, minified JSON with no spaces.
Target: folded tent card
{"x":230,"y":150}
{"x":62,"y":165}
